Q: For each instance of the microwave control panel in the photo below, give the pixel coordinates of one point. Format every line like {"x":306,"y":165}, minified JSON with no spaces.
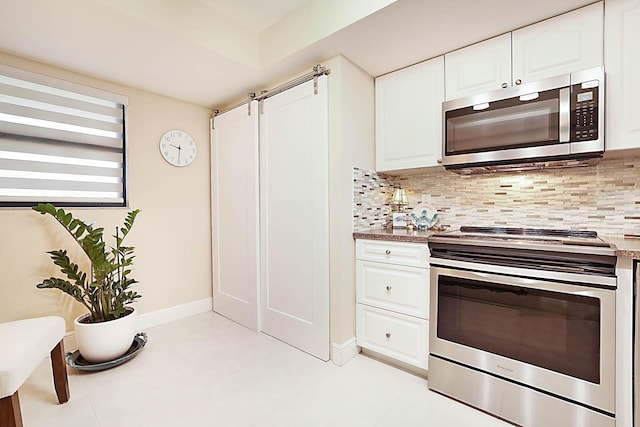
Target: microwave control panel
{"x":584,"y":111}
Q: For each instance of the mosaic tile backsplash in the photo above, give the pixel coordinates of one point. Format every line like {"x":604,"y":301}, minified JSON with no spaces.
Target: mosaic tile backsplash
{"x":604,"y":197}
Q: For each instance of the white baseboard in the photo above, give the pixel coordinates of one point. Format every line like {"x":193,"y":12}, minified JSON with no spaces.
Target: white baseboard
{"x":342,"y":353}
{"x":155,"y":318}
{"x":177,"y":312}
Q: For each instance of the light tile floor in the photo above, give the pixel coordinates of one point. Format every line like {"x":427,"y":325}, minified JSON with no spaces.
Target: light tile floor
{"x":208,"y":371}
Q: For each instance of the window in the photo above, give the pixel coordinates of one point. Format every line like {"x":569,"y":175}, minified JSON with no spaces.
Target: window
{"x":60,"y":142}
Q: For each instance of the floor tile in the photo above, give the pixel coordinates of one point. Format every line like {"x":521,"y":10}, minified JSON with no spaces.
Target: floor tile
{"x":75,"y":413}
{"x":207,"y":370}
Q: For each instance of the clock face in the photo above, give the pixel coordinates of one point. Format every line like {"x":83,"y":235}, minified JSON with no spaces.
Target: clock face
{"x":178,"y":148}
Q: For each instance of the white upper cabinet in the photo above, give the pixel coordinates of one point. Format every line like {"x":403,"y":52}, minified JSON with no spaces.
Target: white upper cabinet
{"x":408,"y":101}
{"x":560,"y":45}
{"x":409,"y":116}
{"x":622,"y":65}
{"x":478,"y":68}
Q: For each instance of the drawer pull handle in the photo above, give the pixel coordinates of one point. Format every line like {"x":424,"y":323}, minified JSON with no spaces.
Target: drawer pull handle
{"x":388,"y":335}
{"x":388,"y":252}
{"x":388,"y":288}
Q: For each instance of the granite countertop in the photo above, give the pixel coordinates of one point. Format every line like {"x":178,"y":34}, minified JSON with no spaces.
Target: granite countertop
{"x":626,"y":247}
{"x":395,"y":234}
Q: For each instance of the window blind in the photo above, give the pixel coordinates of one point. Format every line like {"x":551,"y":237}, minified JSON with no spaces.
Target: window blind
{"x":60,"y":142}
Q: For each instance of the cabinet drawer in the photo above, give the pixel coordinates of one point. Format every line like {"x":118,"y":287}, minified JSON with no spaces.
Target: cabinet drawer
{"x":401,"y":337}
{"x":393,"y":287}
{"x":402,"y":253}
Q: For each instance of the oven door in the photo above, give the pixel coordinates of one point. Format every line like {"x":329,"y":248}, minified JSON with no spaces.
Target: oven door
{"x":555,"y":337}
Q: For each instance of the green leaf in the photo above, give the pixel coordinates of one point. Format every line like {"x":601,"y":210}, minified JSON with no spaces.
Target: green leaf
{"x":64,"y":286}
{"x":105,"y":289}
{"x":45,"y":208}
{"x":80,"y":231}
{"x":60,"y":214}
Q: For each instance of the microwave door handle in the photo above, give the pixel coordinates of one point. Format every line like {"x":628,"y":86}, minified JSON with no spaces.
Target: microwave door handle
{"x":564,"y":115}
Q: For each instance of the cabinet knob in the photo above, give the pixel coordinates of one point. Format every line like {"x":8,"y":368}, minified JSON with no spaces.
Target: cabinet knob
{"x":504,"y":85}
{"x":518,"y":82}
{"x":388,"y":335}
{"x":439,"y":161}
{"x":388,"y":252}
{"x":388,"y":288}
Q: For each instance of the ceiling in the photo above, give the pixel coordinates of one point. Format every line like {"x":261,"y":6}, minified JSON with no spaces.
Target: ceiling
{"x":256,"y":14}
{"x":213,"y":52}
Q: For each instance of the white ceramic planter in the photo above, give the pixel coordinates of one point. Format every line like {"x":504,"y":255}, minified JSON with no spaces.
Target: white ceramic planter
{"x":106,"y":341}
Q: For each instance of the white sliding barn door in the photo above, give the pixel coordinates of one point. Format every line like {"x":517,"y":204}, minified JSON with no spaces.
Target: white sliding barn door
{"x":234,"y":207}
{"x":294,"y":218}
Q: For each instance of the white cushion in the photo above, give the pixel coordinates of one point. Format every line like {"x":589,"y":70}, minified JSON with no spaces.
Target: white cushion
{"x":23,"y":345}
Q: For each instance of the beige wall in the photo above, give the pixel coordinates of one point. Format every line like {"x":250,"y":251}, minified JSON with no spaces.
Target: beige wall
{"x":351,"y":139}
{"x":171,"y":235}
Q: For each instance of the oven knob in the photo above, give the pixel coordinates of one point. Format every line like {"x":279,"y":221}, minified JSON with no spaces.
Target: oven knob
{"x":388,"y":335}
{"x":388,"y":252}
{"x":388,"y":288}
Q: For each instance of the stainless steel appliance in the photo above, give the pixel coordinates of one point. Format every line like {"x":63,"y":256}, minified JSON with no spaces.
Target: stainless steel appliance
{"x":523,"y":324}
{"x":636,"y":346}
{"x":554,"y":119}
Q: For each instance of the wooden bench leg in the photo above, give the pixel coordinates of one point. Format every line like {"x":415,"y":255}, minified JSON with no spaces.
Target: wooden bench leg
{"x":10,"y":415}
{"x":60,"y":380}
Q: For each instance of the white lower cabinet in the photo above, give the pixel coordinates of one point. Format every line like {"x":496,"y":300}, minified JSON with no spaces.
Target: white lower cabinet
{"x":398,"y":253}
{"x":402,"y":337}
{"x":392,"y":300}
{"x":393,"y":287}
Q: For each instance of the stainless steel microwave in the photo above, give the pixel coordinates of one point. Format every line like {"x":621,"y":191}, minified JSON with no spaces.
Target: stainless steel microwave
{"x":560,"y":118}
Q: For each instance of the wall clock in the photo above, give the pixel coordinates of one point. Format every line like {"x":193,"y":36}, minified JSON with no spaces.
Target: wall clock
{"x":178,"y":148}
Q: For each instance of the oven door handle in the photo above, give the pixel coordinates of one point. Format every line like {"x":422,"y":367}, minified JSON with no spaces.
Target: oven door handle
{"x":521,"y":281}
{"x":527,"y":274}
{"x":564,"y":115}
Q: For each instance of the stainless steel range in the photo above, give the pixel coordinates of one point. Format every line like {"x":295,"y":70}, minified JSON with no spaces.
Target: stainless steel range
{"x":523,"y":324}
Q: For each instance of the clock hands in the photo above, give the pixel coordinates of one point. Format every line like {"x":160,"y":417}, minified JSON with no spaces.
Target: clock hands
{"x":179,"y":150}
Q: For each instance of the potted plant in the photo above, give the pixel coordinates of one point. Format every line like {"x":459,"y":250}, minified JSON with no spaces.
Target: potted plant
{"x":107,"y":331}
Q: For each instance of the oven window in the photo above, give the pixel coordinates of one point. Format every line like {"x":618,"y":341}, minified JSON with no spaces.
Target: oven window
{"x":505,"y":124}
{"x":552,"y":330}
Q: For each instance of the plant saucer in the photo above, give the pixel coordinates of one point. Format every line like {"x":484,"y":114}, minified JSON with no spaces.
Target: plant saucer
{"x":75,"y":359}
